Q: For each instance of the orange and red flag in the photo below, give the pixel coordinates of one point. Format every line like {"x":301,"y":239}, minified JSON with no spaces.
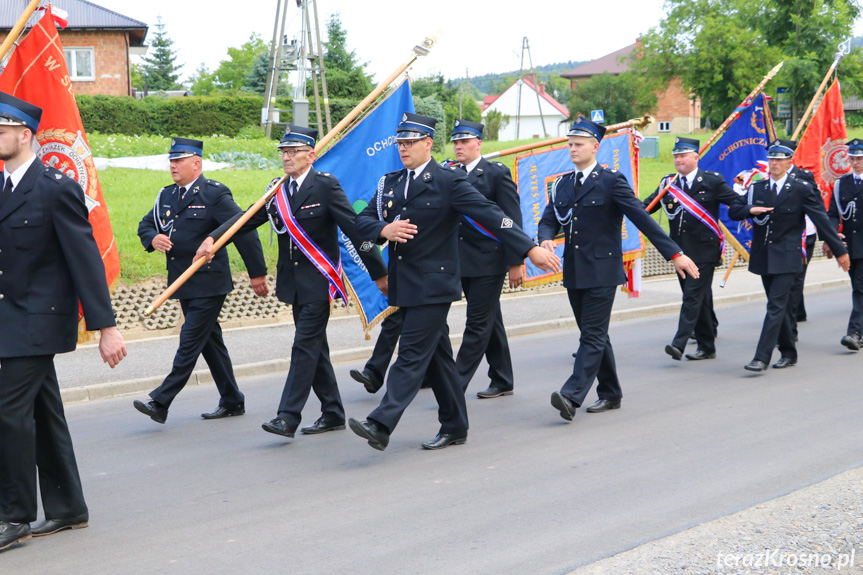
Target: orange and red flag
{"x":37,"y":72}
{"x":822,"y":148}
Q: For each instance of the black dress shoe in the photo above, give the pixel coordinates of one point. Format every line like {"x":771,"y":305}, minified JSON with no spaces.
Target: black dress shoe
{"x":442,"y":440}
{"x":371,"y":430}
{"x":601,"y":405}
{"x":674,"y":352}
{"x":755,"y":365}
{"x":367,"y":380}
{"x":700,"y":354}
{"x":279,"y":426}
{"x":564,"y":405}
{"x":322,"y":425}
{"x":51,"y":526}
{"x":156,"y":411}
{"x":851,"y":341}
{"x":493,"y":391}
{"x":12,"y":534}
{"x":221,"y":412}
{"x":785,"y":362}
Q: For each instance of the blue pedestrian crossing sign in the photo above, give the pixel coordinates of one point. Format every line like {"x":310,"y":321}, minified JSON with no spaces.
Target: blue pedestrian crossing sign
{"x":597,"y":116}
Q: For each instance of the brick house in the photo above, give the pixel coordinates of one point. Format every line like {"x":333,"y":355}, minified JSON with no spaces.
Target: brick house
{"x":676,"y":111}
{"x":97,"y":43}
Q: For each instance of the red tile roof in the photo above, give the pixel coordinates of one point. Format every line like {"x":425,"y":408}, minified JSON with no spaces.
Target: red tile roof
{"x":609,"y":63}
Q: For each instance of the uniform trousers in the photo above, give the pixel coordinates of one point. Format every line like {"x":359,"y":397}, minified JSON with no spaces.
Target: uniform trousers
{"x":696,"y":311}
{"x":388,"y":339}
{"x":424,"y":347}
{"x":484,"y":333}
{"x":34,"y":436}
{"x":595,"y":357}
{"x":201,"y":334}
{"x":777,"y":322}
{"x":798,"y":307}
{"x":855,"y":324}
{"x":310,"y":366}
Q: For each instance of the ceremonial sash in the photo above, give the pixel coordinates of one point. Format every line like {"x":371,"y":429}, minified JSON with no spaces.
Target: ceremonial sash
{"x":697,"y":210}
{"x":315,"y":254}
{"x":481,"y":229}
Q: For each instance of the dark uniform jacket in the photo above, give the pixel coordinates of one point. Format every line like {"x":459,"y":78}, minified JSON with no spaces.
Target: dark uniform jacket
{"x":480,"y":255}
{"x":206,"y":205}
{"x":593,"y":253}
{"x":49,"y":261}
{"x":425,"y":270}
{"x":318,"y":206}
{"x":697,"y":240}
{"x":777,"y":239}
{"x":850,"y":198}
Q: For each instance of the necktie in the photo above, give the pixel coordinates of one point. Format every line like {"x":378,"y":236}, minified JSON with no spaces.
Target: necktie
{"x":294,"y":187}
{"x":182,"y":192}
{"x":774,"y":190}
{"x":463,"y":168}
{"x":7,"y":192}
{"x":578,"y":178}
{"x":407,"y":183}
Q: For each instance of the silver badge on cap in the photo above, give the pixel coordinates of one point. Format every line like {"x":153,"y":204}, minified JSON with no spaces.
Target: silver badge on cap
{"x":173,"y":142}
{"x":458,"y":123}
{"x":405,"y":117}
{"x":287,"y":130}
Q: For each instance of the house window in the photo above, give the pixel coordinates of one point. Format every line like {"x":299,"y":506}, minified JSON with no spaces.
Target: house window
{"x":664,"y":126}
{"x":80,"y":62}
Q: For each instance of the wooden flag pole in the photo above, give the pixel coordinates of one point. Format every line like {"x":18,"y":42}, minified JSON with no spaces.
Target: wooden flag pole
{"x":17,"y":28}
{"x":844,"y":48}
{"x":733,"y":116}
{"x":417,"y":51}
{"x":634,"y":123}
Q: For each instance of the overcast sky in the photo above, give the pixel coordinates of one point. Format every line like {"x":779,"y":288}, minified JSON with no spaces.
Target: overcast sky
{"x":480,"y":37}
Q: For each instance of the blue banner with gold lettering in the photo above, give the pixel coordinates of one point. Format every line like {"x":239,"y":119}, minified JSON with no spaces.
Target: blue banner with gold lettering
{"x":740,"y":155}
{"x":536,"y":171}
{"x":359,"y":160}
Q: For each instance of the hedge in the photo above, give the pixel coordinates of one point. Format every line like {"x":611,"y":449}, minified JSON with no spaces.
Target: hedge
{"x":188,"y":116}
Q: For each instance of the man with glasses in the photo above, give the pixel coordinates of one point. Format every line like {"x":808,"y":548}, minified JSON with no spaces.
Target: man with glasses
{"x":847,"y":196}
{"x":182,"y":216}
{"x":305,"y":213}
{"x":778,"y":206}
{"x":417,"y":211}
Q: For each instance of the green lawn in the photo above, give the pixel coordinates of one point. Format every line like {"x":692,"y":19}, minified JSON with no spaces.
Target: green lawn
{"x":129,"y":194}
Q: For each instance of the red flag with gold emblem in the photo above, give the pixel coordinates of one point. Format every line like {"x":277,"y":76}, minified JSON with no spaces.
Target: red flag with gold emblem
{"x":37,"y":72}
{"x":822,"y":148}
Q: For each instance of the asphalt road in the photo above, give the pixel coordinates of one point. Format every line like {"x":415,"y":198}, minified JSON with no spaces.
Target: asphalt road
{"x":528,"y":493}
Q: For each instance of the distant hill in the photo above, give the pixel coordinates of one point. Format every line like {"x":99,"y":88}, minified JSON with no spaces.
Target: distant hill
{"x":491,"y":83}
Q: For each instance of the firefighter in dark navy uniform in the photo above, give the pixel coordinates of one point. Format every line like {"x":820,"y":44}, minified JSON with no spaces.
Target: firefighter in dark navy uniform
{"x":416,"y":210}
{"x":699,"y":240}
{"x":49,"y":262}
{"x":778,"y":206}
{"x":588,"y":204}
{"x":306,"y":212}
{"x":183,"y":214}
{"x":484,"y":262}
{"x":846,"y":199}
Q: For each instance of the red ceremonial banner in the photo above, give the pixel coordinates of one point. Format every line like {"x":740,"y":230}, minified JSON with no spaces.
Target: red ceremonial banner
{"x":37,"y":73}
{"x":822,"y":148}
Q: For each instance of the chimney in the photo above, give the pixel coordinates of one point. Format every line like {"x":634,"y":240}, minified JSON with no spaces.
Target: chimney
{"x":542,"y":88}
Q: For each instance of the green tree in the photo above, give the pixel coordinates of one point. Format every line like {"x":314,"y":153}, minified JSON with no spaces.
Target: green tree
{"x":256,"y":78}
{"x":621,"y":97}
{"x":136,"y":76}
{"x":346,"y":78}
{"x":721,"y":49}
{"x":203,"y":82}
{"x":231,"y":74}
{"x":160,"y":70}
{"x":495,"y":120}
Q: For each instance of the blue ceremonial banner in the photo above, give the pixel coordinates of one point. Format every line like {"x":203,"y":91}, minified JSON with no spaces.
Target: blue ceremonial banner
{"x":536,"y":171}
{"x":740,"y":155}
{"x":359,"y":160}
